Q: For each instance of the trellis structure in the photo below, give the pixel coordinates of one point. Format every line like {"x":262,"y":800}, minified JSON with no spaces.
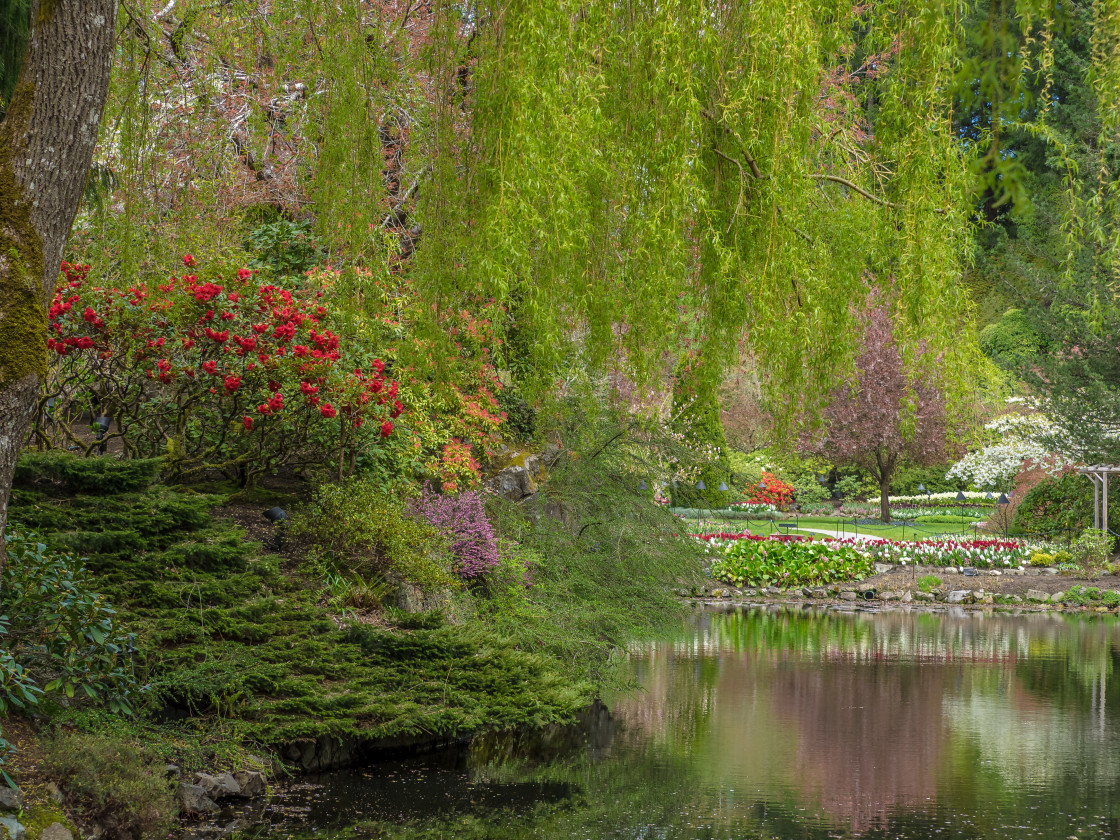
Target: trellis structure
{"x":1098,"y":474}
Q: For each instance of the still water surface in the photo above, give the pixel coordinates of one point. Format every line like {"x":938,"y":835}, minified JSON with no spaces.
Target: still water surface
{"x":787,"y":723}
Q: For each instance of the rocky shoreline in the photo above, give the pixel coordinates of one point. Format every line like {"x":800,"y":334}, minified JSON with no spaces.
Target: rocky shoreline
{"x":1039,"y":588}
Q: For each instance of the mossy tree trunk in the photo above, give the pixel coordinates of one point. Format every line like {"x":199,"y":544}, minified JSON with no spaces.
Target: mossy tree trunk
{"x":47,"y":140}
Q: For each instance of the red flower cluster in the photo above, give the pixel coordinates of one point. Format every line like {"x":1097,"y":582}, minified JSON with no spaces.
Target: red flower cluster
{"x":272,"y":361}
{"x":771,"y":491}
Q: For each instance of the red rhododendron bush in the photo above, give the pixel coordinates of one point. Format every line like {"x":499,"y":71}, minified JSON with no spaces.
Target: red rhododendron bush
{"x":221,"y":372}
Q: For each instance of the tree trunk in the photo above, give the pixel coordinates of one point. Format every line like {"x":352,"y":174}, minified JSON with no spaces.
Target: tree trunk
{"x":47,"y":140}
{"x":884,"y":505}
{"x":884,"y":469}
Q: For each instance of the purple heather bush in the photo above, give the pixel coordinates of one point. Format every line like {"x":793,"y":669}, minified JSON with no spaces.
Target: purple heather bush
{"x":463,"y":521}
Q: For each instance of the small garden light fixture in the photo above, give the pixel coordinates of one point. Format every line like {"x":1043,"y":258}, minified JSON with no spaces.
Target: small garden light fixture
{"x":279,"y":518}
{"x":642,"y":485}
{"x":700,"y":485}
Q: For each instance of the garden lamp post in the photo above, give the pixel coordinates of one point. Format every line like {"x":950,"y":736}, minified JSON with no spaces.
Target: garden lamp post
{"x":279,"y":518}
{"x":701,"y":486}
{"x":102,"y":424}
{"x":960,"y":501}
{"x":723,"y":488}
{"x":1003,"y":501}
{"x":922,"y":489}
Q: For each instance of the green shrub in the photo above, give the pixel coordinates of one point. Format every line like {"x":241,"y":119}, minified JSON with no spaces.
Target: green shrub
{"x":354,"y":527}
{"x":59,"y":633}
{"x":113,"y":782}
{"x":928,"y":582}
{"x":788,"y":563}
{"x":1012,"y":339}
{"x":1057,"y":505}
{"x":1110,"y":598}
{"x":908,"y":476}
{"x":1041,"y":558}
{"x":1092,"y":549}
{"x":70,"y":473}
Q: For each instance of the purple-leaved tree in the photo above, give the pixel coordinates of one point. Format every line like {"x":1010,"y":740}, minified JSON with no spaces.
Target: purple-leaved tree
{"x":882,"y":414}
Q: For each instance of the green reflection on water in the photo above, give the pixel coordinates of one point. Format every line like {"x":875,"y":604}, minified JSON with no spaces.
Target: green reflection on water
{"x":790,"y":724}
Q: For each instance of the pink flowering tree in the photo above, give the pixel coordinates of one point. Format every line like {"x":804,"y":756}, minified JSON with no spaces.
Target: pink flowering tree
{"x":223,"y":373}
{"x":882,"y":414}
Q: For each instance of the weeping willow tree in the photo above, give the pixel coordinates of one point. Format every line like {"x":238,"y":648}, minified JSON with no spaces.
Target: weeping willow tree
{"x":642,"y":177}
{"x":634,"y":181}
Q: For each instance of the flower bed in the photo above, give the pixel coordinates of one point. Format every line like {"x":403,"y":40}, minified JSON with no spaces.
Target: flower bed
{"x":981,"y":554}
{"x":786,"y":562}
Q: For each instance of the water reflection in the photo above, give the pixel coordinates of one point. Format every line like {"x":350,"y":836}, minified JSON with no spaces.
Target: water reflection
{"x":793,"y":723}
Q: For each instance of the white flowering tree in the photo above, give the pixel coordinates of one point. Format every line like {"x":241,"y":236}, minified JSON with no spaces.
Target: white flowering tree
{"x":1017,"y":440}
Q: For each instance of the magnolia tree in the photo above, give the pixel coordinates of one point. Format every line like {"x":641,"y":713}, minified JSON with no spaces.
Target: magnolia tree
{"x":1018,"y":441}
{"x":882,"y":413}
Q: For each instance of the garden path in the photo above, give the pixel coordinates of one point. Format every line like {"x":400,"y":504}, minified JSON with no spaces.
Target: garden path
{"x":849,"y":535}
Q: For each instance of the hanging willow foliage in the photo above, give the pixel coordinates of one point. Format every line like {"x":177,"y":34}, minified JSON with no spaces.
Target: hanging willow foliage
{"x":646,"y":176}
{"x":632,"y":179}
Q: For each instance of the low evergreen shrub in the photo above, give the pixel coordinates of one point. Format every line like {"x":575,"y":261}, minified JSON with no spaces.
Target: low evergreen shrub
{"x":114,"y":782}
{"x":66,"y":472}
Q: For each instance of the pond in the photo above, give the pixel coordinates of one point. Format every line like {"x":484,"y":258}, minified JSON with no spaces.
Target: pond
{"x":785,"y":723}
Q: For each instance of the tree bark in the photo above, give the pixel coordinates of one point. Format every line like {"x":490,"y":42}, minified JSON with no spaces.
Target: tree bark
{"x":47,"y":140}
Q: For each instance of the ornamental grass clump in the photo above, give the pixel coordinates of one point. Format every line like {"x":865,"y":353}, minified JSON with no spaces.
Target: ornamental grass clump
{"x":463,"y":521}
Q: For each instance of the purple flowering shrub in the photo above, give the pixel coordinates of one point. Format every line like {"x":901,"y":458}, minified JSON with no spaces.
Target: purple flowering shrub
{"x":462,"y":520}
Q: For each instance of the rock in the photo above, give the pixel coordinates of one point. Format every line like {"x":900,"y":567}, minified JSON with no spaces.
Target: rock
{"x":889,"y":596}
{"x":848,"y":596}
{"x":806,"y":592}
{"x":1056,"y":598}
{"x":959,"y":596}
{"x":513,"y":483}
{"x":193,"y":799}
{"x":1037,"y":595}
{"x":1050,"y":571}
{"x":222,"y":786}
{"x":1017,"y":572}
{"x":56,"y":831}
{"x":10,"y":829}
{"x":819,"y":592}
{"x":995,"y":572}
{"x":865,"y":587}
{"x":906,"y":597}
{"x":54,"y":791}
{"x":251,"y":782}
{"x":1015,"y":599}
{"x":172,"y":771}
{"x":1032,"y":572}
{"x":720,"y":593}
{"x":882,"y":568}
{"x":923,"y":596}
{"x":749,"y":593}
{"x":10,"y":799}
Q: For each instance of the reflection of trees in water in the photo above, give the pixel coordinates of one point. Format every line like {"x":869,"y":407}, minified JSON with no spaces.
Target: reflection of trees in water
{"x":869,"y":741}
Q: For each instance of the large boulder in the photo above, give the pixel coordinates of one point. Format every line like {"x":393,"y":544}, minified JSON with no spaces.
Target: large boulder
{"x":194,"y":801}
{"x":251,"y":782}
{"x":10,"y":799}
{"x":221,"y":786}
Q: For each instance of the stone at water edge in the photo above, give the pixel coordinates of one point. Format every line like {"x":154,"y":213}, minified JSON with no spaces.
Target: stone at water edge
{"x":193,"y":799}
{"x":56,"y":831}
{"x":1038,"y":595}
{"x":221,"y":786}
{"x":906,"y":598}
{"x":10,"y":829}
{"x":251,"y":782}
{"x":1015,"y":599}
{"x":889,"y":596}
{"x":1056,"y":598}
{"x":959,"y":596}
{"x":848,"y":596}
{"x":10,"y":799}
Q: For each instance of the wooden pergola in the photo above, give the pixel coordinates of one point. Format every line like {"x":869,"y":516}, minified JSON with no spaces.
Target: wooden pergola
{"x":1098,"y":474}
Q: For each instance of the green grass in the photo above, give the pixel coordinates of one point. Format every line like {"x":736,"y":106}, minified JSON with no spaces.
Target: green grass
{"x":834,"y":527}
